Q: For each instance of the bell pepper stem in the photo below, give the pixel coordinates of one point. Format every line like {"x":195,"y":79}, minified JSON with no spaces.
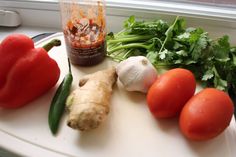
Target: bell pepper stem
{"x":51,"y":44}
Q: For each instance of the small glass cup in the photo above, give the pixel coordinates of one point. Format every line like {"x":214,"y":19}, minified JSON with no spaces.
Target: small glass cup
{"x":84,"y":28}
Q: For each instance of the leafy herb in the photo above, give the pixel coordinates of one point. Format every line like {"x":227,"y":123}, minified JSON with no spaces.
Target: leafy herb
{"x":212,"y":61}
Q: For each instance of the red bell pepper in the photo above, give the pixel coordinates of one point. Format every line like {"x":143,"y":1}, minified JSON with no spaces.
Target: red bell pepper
{"x":25,"y":72}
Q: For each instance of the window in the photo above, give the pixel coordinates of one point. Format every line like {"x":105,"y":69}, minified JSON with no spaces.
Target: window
{"x":227,"y":3}
{"x":219,"y":3}
{"x":46,"y":12}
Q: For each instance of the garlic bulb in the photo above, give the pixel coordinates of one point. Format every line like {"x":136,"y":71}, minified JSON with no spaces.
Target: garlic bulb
{"x":136,"y":73}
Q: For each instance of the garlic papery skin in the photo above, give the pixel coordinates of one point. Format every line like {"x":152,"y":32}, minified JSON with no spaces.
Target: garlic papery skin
{"x":136,"y":73}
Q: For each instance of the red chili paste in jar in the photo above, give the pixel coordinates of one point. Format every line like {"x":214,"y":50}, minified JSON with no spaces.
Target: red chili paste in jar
{"x":85,"y":42}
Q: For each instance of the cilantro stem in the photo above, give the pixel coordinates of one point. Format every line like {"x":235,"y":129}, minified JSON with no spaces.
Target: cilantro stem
{"x":131,"y":45}
{"x":127,"y":53}
{"x":130,"y":38}
{"x":116,"y":58}
{"x":168,"y":34}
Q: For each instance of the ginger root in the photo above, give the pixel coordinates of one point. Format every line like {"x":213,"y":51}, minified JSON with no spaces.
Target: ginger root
{"x":88,"y":105}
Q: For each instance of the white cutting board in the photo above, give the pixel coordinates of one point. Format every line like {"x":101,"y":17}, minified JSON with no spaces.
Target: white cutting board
{"x":129,"y":131}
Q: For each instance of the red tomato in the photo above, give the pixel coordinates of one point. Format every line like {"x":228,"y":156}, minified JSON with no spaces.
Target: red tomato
{"x":168,"y":94}
{"x":206,"y":114}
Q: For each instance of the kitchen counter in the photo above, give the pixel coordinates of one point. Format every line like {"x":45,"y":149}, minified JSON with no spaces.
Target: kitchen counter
{"x":27,"y":30}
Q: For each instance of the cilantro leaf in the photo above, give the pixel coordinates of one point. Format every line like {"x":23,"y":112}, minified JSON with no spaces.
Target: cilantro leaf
{"x":129,"y":22}
{"x":209,"y":74}
{"x":221,"y":49}
{"x":199,"y":40}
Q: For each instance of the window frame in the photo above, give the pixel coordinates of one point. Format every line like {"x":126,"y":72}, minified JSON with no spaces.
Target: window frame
{"x":171,"y":7}
{"x":46,"y":13}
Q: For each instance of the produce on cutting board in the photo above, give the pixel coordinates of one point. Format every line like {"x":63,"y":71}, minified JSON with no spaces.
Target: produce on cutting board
{"x":169,"y":93}
{"x":206,"y":114}
{"x":129,"y":119}
{"x":57,"y":106}
{"x":136,"y":73}
{"x":89,"y":104}
{"x":141,"y":47}
{"x":26,"y":72}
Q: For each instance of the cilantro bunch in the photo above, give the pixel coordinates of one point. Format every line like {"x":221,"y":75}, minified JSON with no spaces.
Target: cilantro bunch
{"x":212,"y":61}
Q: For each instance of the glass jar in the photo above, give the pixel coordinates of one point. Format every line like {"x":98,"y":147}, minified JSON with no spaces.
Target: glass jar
{"x":84,"y":28}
